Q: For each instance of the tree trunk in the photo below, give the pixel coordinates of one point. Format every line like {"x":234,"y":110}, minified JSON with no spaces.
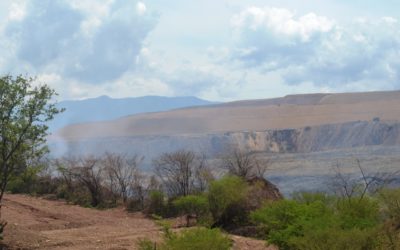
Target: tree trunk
{"x":3,"y":223}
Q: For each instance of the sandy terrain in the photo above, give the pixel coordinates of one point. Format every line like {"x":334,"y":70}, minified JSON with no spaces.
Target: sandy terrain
{"x":36,"y":223}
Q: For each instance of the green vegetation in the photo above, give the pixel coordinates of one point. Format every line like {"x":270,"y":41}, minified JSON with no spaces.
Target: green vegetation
{"x":325,"y":222}
{"x":305,"y":221}
{"x":156,"y":204}
{"x":24,"y":111}
{"x":24,"y":182}
{"x":198,"y":239}
{"x":195,"y":239}
{"x":226,"y":198}
{"x":195,"y":206}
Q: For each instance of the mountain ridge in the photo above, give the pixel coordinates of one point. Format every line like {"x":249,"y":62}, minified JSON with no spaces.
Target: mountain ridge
{"x":105,"y":108}
{"x":295,"y":111}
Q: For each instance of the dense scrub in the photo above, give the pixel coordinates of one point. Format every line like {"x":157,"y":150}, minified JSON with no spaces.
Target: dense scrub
{"x":360,"y":215}
{"x":319,"y":221}
{"x":198,"y":238}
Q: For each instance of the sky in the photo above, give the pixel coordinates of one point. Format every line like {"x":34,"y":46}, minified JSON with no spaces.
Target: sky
{"x":220,"y":50}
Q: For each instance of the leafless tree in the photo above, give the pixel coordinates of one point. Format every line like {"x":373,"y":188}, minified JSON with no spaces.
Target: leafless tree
{"x":138,"y":188}
{"x":121,"y":173}
{"x":202,"y":174}
{"x":358,"y":185}
{"x":88,"y":172}
{"x":182,"y":172}
{"x":63,"y":167}
{"x":244,"y":164}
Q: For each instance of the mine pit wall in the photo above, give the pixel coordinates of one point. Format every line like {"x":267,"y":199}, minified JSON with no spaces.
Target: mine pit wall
{"x":304,"y":140}
{"x":301,"y":158}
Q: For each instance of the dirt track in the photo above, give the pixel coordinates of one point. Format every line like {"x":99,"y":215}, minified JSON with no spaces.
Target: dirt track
{"x":36,"y":223}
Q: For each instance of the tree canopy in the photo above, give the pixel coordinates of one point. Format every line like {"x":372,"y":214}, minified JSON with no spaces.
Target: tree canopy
{"x":25,"y":108}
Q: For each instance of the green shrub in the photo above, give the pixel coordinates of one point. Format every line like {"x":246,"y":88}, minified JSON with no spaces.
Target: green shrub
{"x":156,"y":203}
{"x":47,"y":185}
{"x":336,"y":239}
{"x":146,"y":244}
{"x":194,"y":205}
{"x":199,"y":239}
{"x":390,"y":201}
{"x":287,"y":219}
{"x":196,"y":238}
{"x":358,"y":213}
{"x":25,"y":182}
{"x":317,"y":221}
{"x":390,"y":208}
{"x":134,"y":205}
{"x":193,"y":239}
{"x":226,"y":199}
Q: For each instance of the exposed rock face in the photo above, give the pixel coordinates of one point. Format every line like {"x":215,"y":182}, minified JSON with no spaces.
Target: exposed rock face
{"x":320,"y":138}
{"x":303,"y":140}
{"x":261,"y":190}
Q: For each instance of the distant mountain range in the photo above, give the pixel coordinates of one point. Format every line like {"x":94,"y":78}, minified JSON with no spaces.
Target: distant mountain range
{"x":105,"y":108}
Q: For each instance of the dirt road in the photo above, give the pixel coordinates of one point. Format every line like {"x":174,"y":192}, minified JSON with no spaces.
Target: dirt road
{"x":36,"y":223}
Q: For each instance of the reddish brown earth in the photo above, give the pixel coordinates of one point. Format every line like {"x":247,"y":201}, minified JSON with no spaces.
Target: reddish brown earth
{"x":37,"y":223}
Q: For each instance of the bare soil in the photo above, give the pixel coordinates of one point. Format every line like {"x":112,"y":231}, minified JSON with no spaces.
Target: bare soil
{"x":37,"y":223}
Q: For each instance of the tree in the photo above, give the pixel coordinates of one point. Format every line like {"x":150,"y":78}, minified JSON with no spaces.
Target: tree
{"x":227,"y":198}
{"x":122,"y":173}
{"x":182,"y":172}
{"x":88,"y":172}
{"x":193,"y":206}
{"x":361,"y":184}
{"x":24,"y":111}
{"x":244,"y":164}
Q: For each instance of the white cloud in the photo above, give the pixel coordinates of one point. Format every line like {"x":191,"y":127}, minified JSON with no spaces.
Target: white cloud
{"x":84,"y":40}
{"x":316,"y":49}
{"x":389,"y":19}
{"x":282,"y":23}
{"x":17,"y":11}
{"x":141,"y":8}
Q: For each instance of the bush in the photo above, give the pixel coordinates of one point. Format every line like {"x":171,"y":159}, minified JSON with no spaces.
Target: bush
{"x":47,"y":185}
{"x":336,"y":239}
{"x":134,"y":205}
{"x":25,"y":182}
{"x":75,"y":194}
{"x":199,"y":239}
{"x":146,"y":244}
{"x":358,"y":213}
{"x":193,"y":205}
{"x":313,"y":221}
{"x":287,"y":219}
{"x":390,"y":200}
{"x":390,"y":233}
{"x":226,"y":199}
{"x":194,"y":239}
{"x":156,"y":203}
